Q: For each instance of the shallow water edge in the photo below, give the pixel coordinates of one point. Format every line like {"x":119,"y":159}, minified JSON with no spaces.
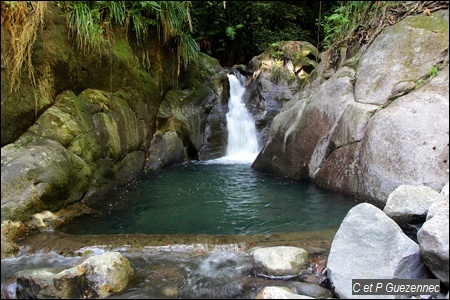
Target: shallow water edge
{"x":169,"y":266}
{"x":316,"y":242}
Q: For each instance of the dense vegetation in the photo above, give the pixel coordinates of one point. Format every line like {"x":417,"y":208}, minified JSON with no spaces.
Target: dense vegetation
{"x":235,"y":31}
{"x":231,"y":31}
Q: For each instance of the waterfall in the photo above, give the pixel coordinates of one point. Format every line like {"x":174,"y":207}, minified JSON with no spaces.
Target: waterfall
{"x":242,"y":144}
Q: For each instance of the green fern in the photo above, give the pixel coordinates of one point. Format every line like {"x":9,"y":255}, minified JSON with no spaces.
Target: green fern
{"x":189,"y":49}
{"x":88,"y":21}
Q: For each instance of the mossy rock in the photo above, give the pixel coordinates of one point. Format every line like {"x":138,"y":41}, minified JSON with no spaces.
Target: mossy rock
{"x":43,"y":175}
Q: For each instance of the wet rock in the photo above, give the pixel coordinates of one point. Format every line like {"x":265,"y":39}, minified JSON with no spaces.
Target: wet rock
{"x":97,"y":277}
{"x":277,"y":292}
{"x":317,"y":279}
{"x":312,"y":290}
{"x":281,"y":261}
{"x":319,"y":265}
{"x":43,"y":220}
{"x":11,"y":232}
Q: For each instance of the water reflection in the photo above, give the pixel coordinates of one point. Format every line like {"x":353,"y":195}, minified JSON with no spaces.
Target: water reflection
{"x":208,"y":198}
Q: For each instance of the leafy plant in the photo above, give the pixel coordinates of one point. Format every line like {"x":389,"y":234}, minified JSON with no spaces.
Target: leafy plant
{"x":171,"y":24}
{"x":433,"y":71}
{"x":277,"y":54}
{"x":243,"y":29}
{"x":231,"y":31}
{"x":89,"y":21}
{"x":84,"y":24}
{"x":343,"y":20}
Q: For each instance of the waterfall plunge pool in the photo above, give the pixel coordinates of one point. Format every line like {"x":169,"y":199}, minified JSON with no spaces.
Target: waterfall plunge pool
{"x":213,"y":198}
{"x":197,"y":222}
{"x":185,"y":229}
{"x":224,"y":196}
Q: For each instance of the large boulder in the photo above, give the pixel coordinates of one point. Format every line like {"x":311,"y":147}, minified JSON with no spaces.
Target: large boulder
{"x":42,"y":176}
{"x":421,"y":157}
{"x":433,"y":238}
{"x":370,"y":245}
{"x":379,"y":121}
{"x":299,"y":135}
{"x":98,"y":276}
{"x":78,"y":149}
{"x":409,"y":204}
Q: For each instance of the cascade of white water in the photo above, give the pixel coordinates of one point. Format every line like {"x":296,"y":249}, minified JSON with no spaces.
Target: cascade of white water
{"x":242,"y":143}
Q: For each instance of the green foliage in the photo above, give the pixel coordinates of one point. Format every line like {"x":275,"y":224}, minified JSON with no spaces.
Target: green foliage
{"x":344,"y":19}
{"x":85,"y":23}
{"x":231,"y":31}
{"x":89,"y":21}
{"x":354,"y":23}
{"x":277,"y":54}
{"x":243,"y":29}
{"x":188,"y":49}
{"x":433,"y":71}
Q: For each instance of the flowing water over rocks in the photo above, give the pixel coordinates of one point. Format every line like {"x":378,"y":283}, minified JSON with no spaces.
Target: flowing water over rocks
{"x":170,"y":266}
{"x":242,"y":144}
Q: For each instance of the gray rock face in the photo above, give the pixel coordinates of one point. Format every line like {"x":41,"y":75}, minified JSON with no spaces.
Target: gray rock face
{"x":215,"y":135}
{"x":439,"y":204}
{"x":299,"y":136}
{"x":165,"y":150}
{"x":433,"y":238}
{"x":275,"y":82}
{"x":391,"y":66}
{"x":409,"y":204}
{"x":406,"y":142}
{"x":281,"y":261}
{"x":370,"y":245}
{"x":97,"y":277}
{"x":377,"y":123}
{"x":195,"y":111}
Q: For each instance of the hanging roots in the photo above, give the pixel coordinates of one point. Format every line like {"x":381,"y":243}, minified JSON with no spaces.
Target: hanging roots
{"x":20,"y":22}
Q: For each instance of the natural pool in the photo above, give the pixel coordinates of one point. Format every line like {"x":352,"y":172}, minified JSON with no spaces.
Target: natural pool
{"x":186,"y":230}
{"x":214,"y":198}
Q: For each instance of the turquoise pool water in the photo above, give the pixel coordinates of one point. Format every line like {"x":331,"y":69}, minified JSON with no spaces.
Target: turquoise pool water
{"x":214,"y":198}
